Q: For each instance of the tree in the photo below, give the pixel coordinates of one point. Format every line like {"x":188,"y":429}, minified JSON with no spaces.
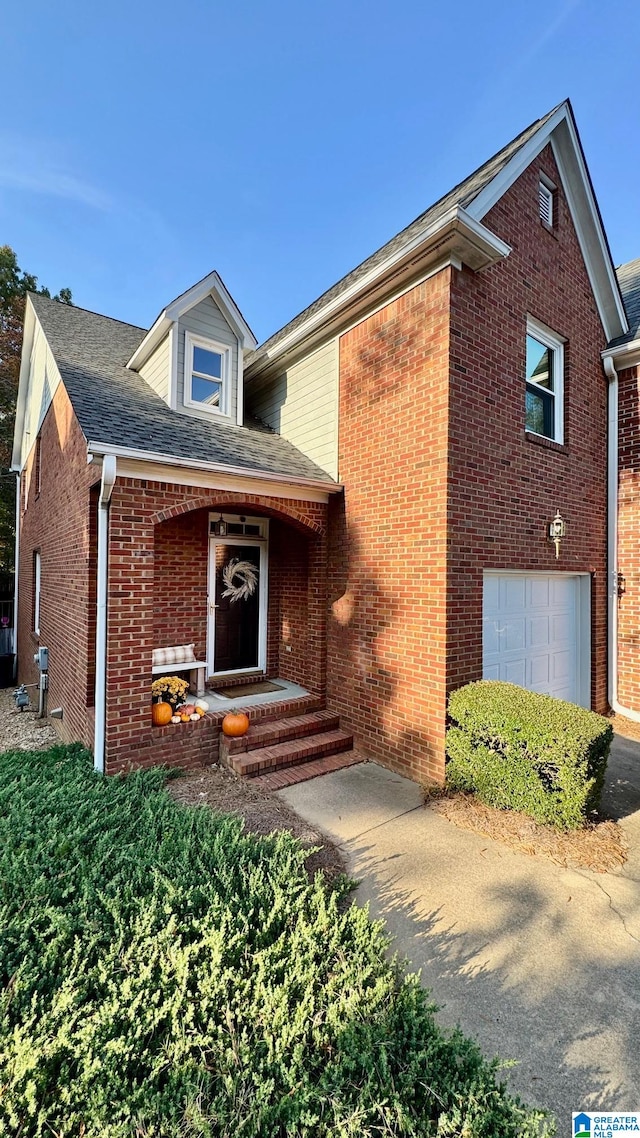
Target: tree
{"x":14,"y":285}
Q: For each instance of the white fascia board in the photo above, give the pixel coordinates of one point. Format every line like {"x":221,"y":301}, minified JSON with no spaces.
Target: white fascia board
{"x":234,"y":472}
{"x":30,"y":321}
{"x":210,"y":285}
{"x":626,"y":355}
{"x":153,"y":337}
{"x":213,"y":285}
{"x":516,"y":166}
{"x":454,"y":220}
{"x":561,"y":132}
{"x":584,"y":211}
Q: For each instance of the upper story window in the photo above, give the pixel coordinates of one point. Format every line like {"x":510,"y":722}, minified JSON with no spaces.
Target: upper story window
{"x":544,"y":382}
{"x":206,"y":376}
{"x":546,"y":193}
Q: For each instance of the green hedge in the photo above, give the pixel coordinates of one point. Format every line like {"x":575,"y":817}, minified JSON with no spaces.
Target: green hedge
{"x":166,"y":975}
{"x":519,"y":750}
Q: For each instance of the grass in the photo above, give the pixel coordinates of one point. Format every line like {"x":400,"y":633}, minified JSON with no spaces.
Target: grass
{"x":164,"y":974}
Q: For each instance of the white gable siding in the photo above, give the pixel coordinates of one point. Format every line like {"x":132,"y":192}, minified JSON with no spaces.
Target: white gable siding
{"x":302,"y":405}
{"x":44,"y":378}
{"x":156,"y":369}
{"x":205,"y":319}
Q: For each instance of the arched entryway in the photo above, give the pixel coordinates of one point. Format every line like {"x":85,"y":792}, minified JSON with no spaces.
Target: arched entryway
{"x":245,"y":582}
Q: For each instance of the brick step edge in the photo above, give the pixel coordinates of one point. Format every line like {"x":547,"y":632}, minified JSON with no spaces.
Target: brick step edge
{"x":290,"y":776}
{"x":267,"y":734}
{"x":295,"y":751}
{"x":267,"y":712}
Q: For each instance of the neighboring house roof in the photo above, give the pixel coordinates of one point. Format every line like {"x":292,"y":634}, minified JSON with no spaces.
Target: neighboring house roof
{"x":629,"y":280}
{"x":475,"y":196}
{"x":115,"y":406}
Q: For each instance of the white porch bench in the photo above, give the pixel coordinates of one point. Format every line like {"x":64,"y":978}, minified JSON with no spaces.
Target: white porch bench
{"x":197,"y":669}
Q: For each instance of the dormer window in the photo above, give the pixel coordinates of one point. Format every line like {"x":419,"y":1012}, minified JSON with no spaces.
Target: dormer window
{"x":206,"y":375}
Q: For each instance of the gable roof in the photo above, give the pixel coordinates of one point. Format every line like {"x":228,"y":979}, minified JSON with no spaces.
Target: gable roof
{"x":629,"y":280}
{"x":116,"y":408}
{"x":472,"y":199}
{"x":211,"y":285}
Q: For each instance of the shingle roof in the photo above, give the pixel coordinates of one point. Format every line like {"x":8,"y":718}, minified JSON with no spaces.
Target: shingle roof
{"x":116,"y":406}
{"x":462,"y":194}
{"x":629,"y":280}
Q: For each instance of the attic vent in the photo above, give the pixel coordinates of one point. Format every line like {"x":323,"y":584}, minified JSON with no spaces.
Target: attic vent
{"x":545,"y":195}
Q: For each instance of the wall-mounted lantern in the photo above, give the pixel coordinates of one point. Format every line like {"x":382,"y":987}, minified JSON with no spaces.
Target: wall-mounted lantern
{"x":557,"y":530}
{"x":219,"y":528}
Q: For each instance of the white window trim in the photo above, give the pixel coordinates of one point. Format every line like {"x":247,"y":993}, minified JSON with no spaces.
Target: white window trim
{"x":37,"y":586}
{"x":224,"y":350}
{"x":556,"y":344}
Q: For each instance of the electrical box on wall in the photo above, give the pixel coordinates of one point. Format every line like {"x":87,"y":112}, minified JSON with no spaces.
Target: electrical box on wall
{"x":41,"y":658}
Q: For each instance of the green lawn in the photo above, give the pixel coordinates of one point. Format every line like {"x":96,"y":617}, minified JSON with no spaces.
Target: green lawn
{"x":163,"y":973}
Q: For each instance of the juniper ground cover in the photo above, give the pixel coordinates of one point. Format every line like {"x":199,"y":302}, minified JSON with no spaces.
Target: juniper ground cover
{"x":163,"y":973}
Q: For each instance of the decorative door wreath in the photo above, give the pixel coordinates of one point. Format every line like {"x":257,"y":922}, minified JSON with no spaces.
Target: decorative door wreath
{"x":246,"y":573}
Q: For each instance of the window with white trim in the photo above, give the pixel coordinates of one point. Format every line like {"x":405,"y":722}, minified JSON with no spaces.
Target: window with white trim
{"x":206,"y":375}
{"x":544,"y":382}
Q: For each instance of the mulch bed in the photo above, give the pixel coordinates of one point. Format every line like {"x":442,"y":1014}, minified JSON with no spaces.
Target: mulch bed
{"x":263,"y":813}
{"x":22,"y":730}
{"x":600,"y":847}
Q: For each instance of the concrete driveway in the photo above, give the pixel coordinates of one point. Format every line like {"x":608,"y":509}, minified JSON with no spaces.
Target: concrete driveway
{"x":540,"y":964}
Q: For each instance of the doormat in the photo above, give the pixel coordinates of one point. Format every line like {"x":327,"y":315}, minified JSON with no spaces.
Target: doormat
{"x":260,"y":687}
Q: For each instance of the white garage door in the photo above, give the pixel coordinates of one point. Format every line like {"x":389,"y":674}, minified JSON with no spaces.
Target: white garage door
{"x":531,"y":634}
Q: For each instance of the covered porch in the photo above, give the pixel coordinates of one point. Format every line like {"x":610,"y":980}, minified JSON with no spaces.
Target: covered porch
{"x":241,"y":577}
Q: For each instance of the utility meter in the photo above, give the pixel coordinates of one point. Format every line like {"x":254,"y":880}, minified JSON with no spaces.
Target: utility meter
{"x":41,"y":658}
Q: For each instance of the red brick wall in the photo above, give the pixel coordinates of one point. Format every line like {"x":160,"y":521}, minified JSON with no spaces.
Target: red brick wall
{"x":629,"y":538}
{"x":441,"y":481}
{"x":157,"y":589}
{"x":505,"y":486}
{"x":180,"y":594}
{"x":180,"y":582}
{"x":386,"y":640}
{"x":57,"y":522}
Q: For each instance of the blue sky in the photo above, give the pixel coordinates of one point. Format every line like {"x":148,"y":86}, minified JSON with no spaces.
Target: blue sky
{"x":281,"y":143}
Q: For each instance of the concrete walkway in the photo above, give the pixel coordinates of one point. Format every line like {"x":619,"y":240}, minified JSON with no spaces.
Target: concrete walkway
{"x":540,"y":964}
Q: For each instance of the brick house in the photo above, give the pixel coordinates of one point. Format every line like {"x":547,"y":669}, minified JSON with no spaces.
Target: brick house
{"x":383,"y":470}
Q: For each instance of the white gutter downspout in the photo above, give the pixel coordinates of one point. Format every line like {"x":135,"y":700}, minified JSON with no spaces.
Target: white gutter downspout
{"x":16,"y":579}
{"x":108,"y":479}
{"x":612,"y":545}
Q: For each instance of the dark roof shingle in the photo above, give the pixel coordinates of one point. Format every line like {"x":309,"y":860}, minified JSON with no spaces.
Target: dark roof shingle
{"x":629,"y":280}
{"x":116,"y":406}
{"x":462,"y":194}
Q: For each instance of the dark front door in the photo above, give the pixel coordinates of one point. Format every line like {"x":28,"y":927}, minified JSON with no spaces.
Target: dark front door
{"x":237,"y":591}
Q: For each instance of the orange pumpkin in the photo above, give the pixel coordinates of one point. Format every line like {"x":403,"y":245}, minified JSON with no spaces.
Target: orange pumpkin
{"x":161,"y":714}
{"x":235,"y":723}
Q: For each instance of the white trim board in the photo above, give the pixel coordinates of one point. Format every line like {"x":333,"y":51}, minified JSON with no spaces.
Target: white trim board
{"x":560,"y":130}
{"x":130,"y":467}
{"x":211,"y":285}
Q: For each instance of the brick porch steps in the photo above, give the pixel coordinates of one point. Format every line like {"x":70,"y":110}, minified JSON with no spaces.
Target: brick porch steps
{"x":286,"y":754}
{"x":290,"y":776}
{"x":267,"y":733}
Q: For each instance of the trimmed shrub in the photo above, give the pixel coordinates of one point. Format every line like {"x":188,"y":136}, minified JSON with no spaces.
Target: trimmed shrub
{"x":519,"y":750}
{"x":163,"y":973}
